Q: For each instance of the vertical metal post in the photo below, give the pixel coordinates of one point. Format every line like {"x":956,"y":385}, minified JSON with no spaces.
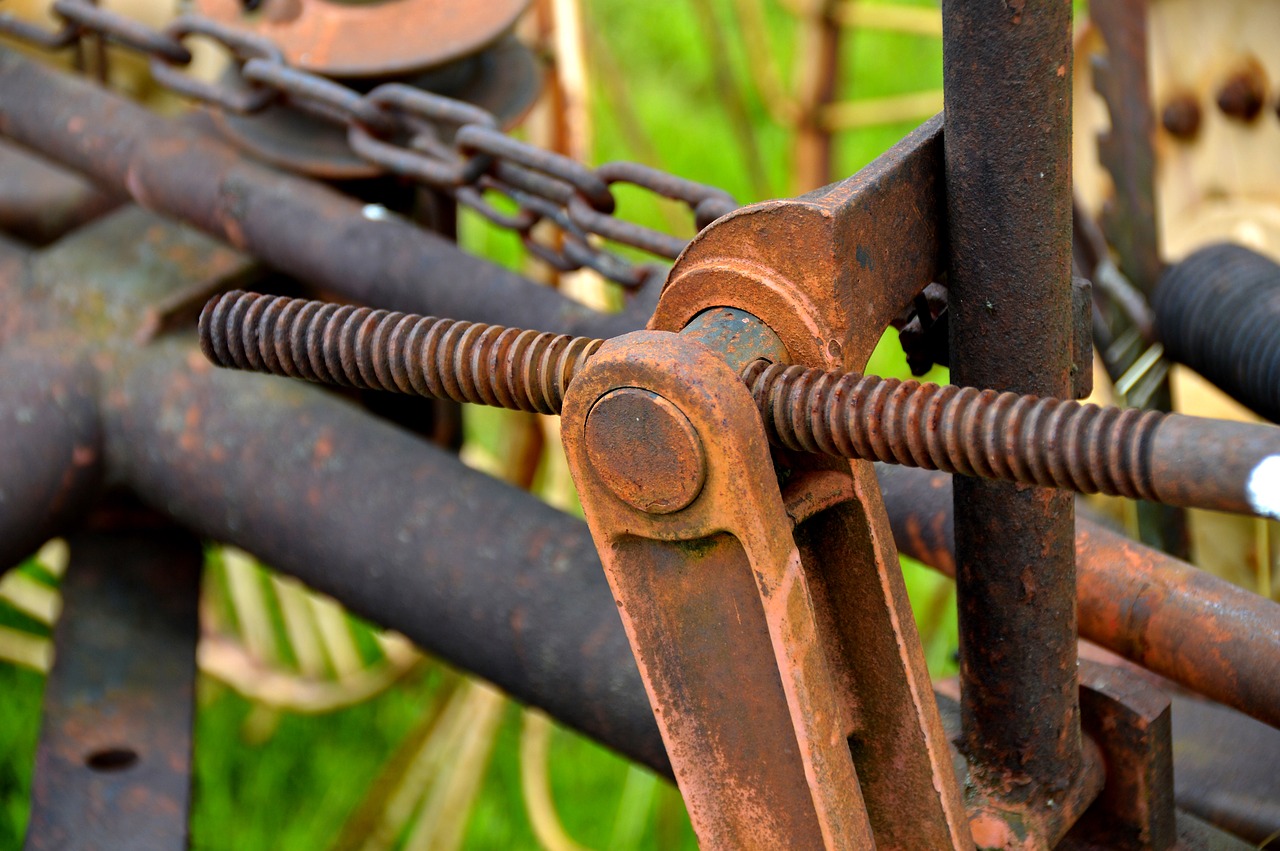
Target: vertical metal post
{"x":1007,"y":74}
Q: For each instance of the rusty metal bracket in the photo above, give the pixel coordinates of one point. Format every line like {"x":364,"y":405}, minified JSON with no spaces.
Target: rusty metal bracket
{"x":781,"y":673}
{"x":833,"y":666}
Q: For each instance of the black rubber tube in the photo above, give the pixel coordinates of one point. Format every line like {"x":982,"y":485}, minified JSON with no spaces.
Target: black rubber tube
{"x":1218,"y":312}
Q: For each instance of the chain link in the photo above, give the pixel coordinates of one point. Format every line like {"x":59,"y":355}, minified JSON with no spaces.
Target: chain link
{"x":448,"y":145}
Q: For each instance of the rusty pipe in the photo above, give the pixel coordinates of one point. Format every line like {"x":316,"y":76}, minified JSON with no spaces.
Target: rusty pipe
{"x":50,"y":455}
{"x":294,"y":225}
{"x":1182,"y":623}
{"x":39,"y":202}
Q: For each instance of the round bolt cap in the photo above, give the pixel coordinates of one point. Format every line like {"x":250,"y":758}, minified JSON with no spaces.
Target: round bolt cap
{"x":645,"y":450}
{"x":1244,"y":93}
{"x":1181,"y":117}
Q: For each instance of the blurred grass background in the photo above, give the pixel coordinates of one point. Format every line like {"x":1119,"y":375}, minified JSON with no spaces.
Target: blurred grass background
{"x":273,"y":779}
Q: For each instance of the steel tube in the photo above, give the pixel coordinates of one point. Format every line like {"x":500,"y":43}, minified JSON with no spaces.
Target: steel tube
{"x":49,"y":449}
{"x":1164,"y":614}
{"x":468,"y":567}
{"x":294,"y":225}
{"x":1007,"y":83}
{"x":40,"y":202}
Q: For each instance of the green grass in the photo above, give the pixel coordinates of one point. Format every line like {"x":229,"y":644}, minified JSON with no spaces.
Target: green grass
{"x":20,"y":693}
{"x":291,"y":781}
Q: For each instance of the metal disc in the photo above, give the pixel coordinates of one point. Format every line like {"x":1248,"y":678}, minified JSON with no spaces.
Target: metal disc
{"x":372,"y":39}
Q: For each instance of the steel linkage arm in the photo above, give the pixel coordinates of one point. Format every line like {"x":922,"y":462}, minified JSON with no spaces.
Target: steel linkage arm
{"x":782,"y":665}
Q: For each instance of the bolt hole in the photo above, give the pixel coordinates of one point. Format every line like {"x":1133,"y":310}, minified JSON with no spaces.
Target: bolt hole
{"x":111,"y":759}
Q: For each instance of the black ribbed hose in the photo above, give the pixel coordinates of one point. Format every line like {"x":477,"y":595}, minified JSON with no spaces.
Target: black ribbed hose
{"x":1218,"y":312}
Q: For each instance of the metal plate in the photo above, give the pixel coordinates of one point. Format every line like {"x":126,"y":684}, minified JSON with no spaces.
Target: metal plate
{"x":113,"y":768}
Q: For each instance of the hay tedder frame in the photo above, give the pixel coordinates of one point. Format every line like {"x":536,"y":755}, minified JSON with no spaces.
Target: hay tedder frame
{"x":747,"y":489}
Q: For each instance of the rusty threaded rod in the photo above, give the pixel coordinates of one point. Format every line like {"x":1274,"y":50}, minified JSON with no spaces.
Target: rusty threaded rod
{"x":385,"y":350}
{"x":1149,"y":455}
{"x":962,"y":430}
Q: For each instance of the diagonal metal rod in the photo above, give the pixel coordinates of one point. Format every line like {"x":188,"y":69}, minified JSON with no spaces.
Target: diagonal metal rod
{"x":1179,"y":460}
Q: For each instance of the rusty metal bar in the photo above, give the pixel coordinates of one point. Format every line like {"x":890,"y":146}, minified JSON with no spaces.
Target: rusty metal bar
{"x":49,"y":449}
{"x":113,"y":768}
{"x":1133,"y":600}
{"x":1007,"y":82}
{"x":295,"y":225}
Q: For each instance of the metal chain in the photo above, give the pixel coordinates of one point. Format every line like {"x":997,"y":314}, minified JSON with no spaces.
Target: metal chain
{"x":446,"y":144}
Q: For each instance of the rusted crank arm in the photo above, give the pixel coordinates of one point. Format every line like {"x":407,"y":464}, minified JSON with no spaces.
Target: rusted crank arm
{"x":673,"y":469}
{"x":827,"y":273}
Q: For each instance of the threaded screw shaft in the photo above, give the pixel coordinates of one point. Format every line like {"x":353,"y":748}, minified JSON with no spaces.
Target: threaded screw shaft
{"x":1047,"y":442}
{"x":1007,"y":436}
{"x":385,"y":350}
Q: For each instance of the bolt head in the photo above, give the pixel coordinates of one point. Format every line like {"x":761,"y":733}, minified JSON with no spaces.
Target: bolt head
{"x":1244,"y":93}
{"x":1181,"y":117}
{"x":645,"y":450}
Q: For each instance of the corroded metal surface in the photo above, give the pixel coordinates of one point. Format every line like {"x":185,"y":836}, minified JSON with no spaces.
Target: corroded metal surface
{"x":355,"y":508}
{"x":245,"y":490}
{"x":818,"y":269}
{"x":1237,"y":788}
{"x":501,"y":80}
{"x":113,"y":768}
{"x":385,"y":350}
{"x":813,"y":271}
{"x":757,"y":740}
{"x":821,"y":652}
{"x":51,"y":452}
{"x":820,"y":727}
{"x":1130,"y":719}
{"x":40,"y":203}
